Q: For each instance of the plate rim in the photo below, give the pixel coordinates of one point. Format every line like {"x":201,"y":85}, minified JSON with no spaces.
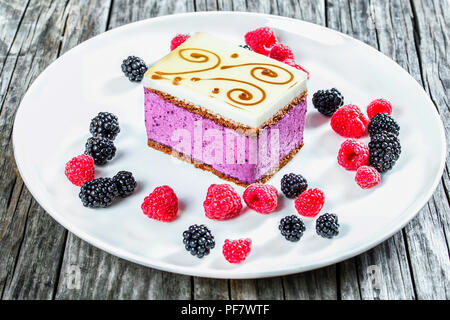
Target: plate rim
{"x":412,"y":210}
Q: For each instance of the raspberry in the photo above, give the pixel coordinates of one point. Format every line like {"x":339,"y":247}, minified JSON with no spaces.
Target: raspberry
{"x":262,"y":198}
{"x":353,"y":154}
{"x":261,"y":40}
{"x":349,"y":121}
{"x":292,"y":63}
{"x":281,"y":52}
{"x":161,"y":204}
{"x":222,"y":202}
{"x":378,"y":106}
{"x":80,"y":169}
{"x":310,"y":202}
{"x":177,"y":40}
{"x":367,"y":177}
{"x":236,"y":251}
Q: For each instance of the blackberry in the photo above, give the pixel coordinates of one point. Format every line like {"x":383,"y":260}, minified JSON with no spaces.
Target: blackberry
{"x":198,"y":240}
{"x":384,"y":151}
{"x":134,"y":68}
{"x":382,"y":122}
{"x":125,"y":183}
{"x":292,"y":185}
{"x":101,"y":149}
{"x":327,"y":101}
{"x":245,"y":46}
{"x":105,"y":125}
{"x":99,"y":192}
{"x":327,"y":225}
{"x":292,"y":228}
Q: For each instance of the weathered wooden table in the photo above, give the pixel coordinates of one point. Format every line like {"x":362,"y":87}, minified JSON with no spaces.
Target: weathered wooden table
{"x":38,"y":257}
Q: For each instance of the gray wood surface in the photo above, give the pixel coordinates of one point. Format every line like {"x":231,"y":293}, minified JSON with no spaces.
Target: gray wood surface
{"x":38,"y":257}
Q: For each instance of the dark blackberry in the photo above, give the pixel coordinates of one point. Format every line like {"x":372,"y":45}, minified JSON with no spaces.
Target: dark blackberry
{"x":292,"y":228}
{"x":101,"y":149}
{"x":125,"y":183}
{"x":245,"y":46}
{"x":198,"y":240}
{"x":134,"y":68}
{"x":384,"y":151}
{"x":292,"y":185}
{"x":105,"y":125}
{"x":327,"y":225}
{"x":99,"y":192}
{"x":382,"y":122}
{"x":327,"y":101}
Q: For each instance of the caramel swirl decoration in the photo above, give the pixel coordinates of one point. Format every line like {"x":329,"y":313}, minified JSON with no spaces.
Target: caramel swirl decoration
{"x":195,"y":57}
{"x":264,"y":72}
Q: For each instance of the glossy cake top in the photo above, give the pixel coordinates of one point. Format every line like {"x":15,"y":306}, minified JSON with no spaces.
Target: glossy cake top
{"x":227,"y":80}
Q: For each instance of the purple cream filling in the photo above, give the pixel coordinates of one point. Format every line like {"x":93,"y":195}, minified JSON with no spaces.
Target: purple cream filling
{"x":230,"y":152}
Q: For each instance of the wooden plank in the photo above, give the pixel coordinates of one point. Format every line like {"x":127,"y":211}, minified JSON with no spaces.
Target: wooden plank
{"x":38,"y":43}
{"x":257,"y":289}
{"x":427,"y":235}
{"x":432,"y":27}
{"x":12,"y":13}
{"x":90,"y":273}
{"x":319,"y":284}
{"x":104,"y":276}
{"x":210,"y":289}
{"x":34,"y":46}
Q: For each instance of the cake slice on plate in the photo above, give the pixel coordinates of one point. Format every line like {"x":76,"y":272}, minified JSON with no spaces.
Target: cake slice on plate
{"x":225,"y":109}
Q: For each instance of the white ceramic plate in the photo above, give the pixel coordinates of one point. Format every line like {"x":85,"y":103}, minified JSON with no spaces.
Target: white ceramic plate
{"x":52,"y":125}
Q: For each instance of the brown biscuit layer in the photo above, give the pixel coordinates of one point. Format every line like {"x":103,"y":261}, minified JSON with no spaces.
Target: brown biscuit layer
{"x":166,"y":149}
{"x":249,"y":131}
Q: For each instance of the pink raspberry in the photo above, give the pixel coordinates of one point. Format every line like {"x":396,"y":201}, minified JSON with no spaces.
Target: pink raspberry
{"x":261,"y":40}
{"x":236,"y":251}
{"x":353,"y":154}
{"x":379,"y":106}
{"x":292,"y":63}
{"x":349,"y":121}
{"x":310,"y":202}
{"x":177,"y":40}
{"x":367,"y":177}
{"x":222,"y":202}
{"x":80,"y":170}
{"x":281,"y":52}
{"x":262,"y":198}
{"x":161,"y":204}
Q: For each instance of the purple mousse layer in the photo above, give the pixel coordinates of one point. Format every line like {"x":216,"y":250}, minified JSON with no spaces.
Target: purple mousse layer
{"x":230,"y":152}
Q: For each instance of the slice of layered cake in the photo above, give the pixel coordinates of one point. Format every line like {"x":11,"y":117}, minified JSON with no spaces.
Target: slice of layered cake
{"x":225,"y":109}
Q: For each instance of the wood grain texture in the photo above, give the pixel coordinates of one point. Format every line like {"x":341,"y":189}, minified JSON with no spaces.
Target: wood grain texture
{"x":40,"y":260}
{"x":29,"y":268}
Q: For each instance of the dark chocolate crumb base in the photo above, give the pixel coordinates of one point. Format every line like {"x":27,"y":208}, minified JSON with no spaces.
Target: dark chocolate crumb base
{"x":206,"y":167}
{"x":248,"y":131}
